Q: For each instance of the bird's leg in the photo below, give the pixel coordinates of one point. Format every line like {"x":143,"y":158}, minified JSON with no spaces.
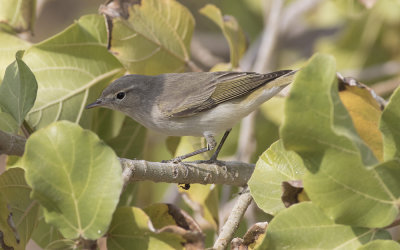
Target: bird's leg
{"x":215,"y":155}
{"x":211,"y":143}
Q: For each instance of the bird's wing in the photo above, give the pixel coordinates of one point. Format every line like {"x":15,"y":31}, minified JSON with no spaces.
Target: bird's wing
{"x":218,"y":87}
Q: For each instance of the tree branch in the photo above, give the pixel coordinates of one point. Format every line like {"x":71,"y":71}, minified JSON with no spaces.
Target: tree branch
{"x":11,"y":144}
{"x":233,"y":221}
{"x":225,"y":172}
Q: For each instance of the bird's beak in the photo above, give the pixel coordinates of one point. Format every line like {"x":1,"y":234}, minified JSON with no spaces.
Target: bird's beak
{"x":97,"y":103}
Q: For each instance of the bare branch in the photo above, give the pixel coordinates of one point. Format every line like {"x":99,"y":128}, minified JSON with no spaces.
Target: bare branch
{"x":386,"y":87}
{"x":229,"y":173}
{"x":11,"y":144}
{"x":203,"y":55}
{"x":293,"y":13}
{"x":246,"y":143}
{"x":234,"y":218}
{"x":269,"y":38}
{"x":374,"y":72}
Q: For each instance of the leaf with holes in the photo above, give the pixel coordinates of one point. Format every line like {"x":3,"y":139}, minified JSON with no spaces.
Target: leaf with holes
{"x":75,"y":177}
{"x":274,"y":166}
{"x":19,"y":213}
{"x":155,"y":38}
{"x":71,"y":68}
{"x":344,"y":177}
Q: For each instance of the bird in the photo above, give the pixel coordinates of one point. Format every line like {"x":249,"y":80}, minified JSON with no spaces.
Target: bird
{"x":200,"y":104}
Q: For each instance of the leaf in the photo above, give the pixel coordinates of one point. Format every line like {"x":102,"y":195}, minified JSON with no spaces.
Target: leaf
{"x":232,"y":31}
{"x":45,"y":234}
{"x":365,"y":113}
{"x":78,"y":182}
{"x":107,"y":123}
{"x":16,"y":206}
{"x":130,"y":141}
{"x":8,"y":47}
{"x":18,"y":90}
{"x":273,"y":110}
{"x":18,"y":15}
{"x":71,"y":68}
{"x":305,"y":226}
{"x":390,"y":127}
{"x":169,"y":218}
{"x":274,"y":166}
{"x":155,"y":38}
{"x":381,"y":244}
{"x":132,"y":227}
{"x":319,"y":129}
{"x":316,"y":90}
{"x":8,"y":123}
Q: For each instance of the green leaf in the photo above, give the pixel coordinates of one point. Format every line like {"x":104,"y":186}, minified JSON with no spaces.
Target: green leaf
{"x":8,"y":47}
{"x":315,"y":88}
{"x":381,"y":244}
{"x":305,"y":226}
{"x":320,"y":130}
{"x":8,"y":123}
{"x":71,"y":68}
{"x":390,"y":127}
{"x":130,"y":141}
{"x":107,"y":123}
{"x":232,"y":31}
{"x":75,"y":177}
{"x":16,"y":203}
{"x":19,"y":15}
{"x":45,"y":234}
{"x":132,"y":227}
{"x":274,"y":166}
{"x":155,"y":38}
{"x":18,"y":90}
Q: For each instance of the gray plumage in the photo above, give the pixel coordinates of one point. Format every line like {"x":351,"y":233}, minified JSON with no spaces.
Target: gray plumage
{"x":198,"y":104}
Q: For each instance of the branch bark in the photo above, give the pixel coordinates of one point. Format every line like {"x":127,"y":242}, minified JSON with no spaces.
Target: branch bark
{"x":225,"y":172}
{"x":11,"y":144}
{"x":230,"y":226}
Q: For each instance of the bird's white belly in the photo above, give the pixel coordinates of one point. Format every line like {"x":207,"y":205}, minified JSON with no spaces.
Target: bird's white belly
{"x":213,"y":121}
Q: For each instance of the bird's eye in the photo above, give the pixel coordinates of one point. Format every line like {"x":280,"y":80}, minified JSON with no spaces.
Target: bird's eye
{"x":120,"y":95}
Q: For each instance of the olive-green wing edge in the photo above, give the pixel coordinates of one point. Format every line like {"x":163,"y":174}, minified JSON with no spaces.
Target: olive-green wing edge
{"x":229,"y":88}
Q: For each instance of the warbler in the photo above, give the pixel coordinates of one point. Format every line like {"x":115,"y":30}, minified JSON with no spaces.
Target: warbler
{"x":194,"y":103}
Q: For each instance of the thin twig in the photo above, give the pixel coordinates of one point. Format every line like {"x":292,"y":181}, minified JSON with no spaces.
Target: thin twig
{"x":246,"y":144}
{"x":386,"y":87}
{"x":293,"y":13}
{"x":395,"y":223}
{"x":233,"y":221}
{"x":269,"y":38}
{"x":374,"y":72}
{"x":225,"y":172}
{"x":11,"y":144}
{"x":193,"y":67}
{"x":203,"y":55}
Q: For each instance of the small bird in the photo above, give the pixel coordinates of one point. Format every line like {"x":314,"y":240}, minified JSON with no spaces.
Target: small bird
{"x":193,"y":103}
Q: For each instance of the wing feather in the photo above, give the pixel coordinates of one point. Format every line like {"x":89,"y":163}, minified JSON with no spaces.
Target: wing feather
{"x":214,"y":88}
